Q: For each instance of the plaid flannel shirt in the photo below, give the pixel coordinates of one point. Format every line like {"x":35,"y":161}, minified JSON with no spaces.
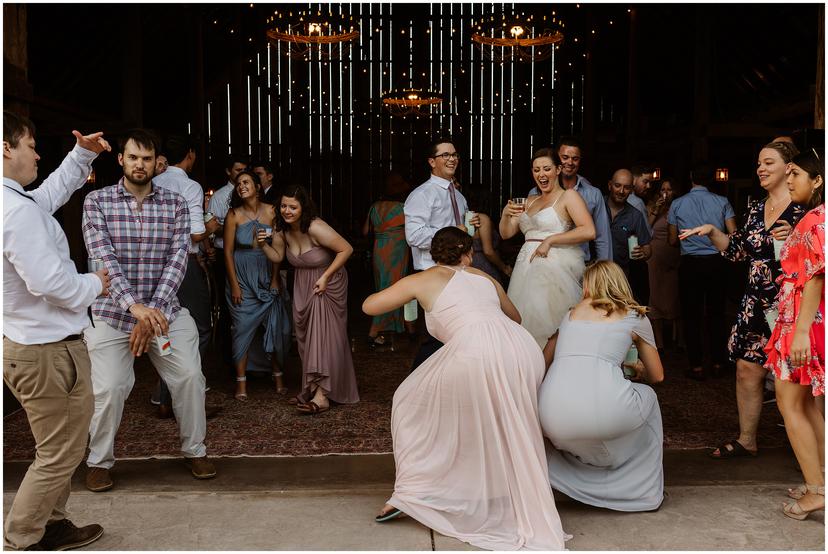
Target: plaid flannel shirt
{"x":144,"y":250}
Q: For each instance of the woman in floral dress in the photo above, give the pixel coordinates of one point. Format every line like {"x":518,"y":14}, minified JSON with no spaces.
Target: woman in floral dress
{"x":796,"y":349}
{"x":767,"y":219}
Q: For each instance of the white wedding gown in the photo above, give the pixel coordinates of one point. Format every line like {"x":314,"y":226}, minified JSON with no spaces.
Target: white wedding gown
{"x":544,"y":290}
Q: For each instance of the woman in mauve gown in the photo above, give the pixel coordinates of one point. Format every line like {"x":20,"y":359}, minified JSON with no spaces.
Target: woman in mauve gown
{"x":320,"y":301}
{"x":467,"y":442}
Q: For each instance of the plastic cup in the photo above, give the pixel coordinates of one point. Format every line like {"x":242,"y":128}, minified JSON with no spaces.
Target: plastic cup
{"x":519,"y":201}
{"x":777,"y":249}
{"x":95,"y":264}
{"x":410,"y":310}
{"x":208,"y":217}
{"x":632,"y":243}
{"x":771,"y":315}
{"x":164,"y":345}
{"x":467,"y":221}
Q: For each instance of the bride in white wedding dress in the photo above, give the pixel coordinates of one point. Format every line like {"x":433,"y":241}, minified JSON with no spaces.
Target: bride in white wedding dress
{"x":546,"y":280}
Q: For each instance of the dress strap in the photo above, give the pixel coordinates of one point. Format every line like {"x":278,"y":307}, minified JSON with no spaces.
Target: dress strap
{"x":530,"y":203}
{"x":558,"y":198}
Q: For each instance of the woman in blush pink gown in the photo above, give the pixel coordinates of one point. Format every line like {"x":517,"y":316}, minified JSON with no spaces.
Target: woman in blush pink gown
{"x":467,"y":440}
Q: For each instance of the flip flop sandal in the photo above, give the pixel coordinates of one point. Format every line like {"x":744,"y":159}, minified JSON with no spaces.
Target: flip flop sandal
{"x":736,"y":450}
{"x":388,"y":516}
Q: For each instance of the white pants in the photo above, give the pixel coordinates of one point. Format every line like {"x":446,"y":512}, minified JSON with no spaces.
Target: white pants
{"x":113,"y":378}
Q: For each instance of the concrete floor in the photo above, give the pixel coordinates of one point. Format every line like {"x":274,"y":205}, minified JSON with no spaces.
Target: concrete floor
{"x":328,"y":503}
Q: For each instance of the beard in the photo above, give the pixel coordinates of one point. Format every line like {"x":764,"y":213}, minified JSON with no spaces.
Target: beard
{"x":142,"y":180}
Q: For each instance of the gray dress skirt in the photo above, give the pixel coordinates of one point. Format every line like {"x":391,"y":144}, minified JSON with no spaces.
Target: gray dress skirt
{"x":261,"y":306}
{"x":604,"y":436}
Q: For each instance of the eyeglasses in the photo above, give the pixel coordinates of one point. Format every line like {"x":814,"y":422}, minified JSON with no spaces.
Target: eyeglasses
{"x":446,"y":156}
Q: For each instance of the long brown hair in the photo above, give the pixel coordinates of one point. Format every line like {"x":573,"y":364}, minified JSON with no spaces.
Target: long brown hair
{"x":608,"y":289}
{"x":309,"y":212}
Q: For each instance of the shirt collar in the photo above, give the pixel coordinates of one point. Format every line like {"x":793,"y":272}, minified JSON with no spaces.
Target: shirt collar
{"x":698,"y":187}
{"x":622,"y":210}
{"x":444,"y":183}
{"x":122,"y":190}
{"x":14,"y":185}
{"x":178,"y":170}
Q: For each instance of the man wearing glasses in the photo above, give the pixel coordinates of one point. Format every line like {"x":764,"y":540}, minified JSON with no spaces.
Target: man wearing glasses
{"x":430,"y":207}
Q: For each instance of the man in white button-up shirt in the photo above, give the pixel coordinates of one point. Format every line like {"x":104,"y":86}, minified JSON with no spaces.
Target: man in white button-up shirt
{"x":45,"y":361}
{"x":430,"y":207}
{"x":193,"y":292}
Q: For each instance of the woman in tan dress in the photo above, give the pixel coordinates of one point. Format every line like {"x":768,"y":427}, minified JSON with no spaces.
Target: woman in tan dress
{"x":320,"y":301}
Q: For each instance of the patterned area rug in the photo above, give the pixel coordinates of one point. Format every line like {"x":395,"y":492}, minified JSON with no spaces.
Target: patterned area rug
{"x":695,"y":415}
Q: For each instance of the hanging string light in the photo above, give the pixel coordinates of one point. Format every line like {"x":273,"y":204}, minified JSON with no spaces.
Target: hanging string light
{"x":312,"y":35}
{"x":517,"y":37}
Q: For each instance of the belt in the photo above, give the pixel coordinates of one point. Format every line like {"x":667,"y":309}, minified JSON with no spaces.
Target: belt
{"x":71,"y":338}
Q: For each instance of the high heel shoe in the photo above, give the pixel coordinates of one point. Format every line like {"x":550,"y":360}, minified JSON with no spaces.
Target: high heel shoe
{"x":241,"y":396}
{"x":795,"y":511}
{"x":281,"y":391}
{"x":798,"y":492}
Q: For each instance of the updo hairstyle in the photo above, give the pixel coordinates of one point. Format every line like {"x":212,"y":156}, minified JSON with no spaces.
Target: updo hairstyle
{"x":449,"y":244}
{"x":786,"y":150}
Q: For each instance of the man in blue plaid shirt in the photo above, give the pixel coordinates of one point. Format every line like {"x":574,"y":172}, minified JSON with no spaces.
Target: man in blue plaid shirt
{"x":140,"y":233}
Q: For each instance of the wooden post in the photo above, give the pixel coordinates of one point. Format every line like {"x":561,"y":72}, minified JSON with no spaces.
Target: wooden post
{"x":701,"y":96}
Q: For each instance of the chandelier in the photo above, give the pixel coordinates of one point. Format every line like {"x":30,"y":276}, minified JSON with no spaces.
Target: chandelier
{"x":411,"y":101}
{"x":517,"y":37}
{"x":308,"y":35}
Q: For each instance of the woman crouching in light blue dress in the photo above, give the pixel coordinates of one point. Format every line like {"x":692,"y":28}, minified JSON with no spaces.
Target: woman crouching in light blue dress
{"x":604,"y":436}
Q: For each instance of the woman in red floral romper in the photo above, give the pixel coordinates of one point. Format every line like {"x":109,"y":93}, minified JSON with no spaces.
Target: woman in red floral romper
{"x":796,"y":349}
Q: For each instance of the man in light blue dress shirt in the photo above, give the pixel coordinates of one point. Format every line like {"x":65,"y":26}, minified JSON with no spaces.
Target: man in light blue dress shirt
{"x":569,"y":150}
{"x":430,"y":207}
{"x":702,"y":270}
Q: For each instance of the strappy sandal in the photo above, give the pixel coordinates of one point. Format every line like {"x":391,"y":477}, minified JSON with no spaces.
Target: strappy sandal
{"x":736,"y":450}
{"x":312,"y":408}
{"x":798,"y":492}
{"x":241,"y":396}
{"x":795,"y":511}
{"x":281,"y":391}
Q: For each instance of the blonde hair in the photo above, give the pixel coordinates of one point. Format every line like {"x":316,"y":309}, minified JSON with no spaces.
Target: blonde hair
{"x":607,"y":286}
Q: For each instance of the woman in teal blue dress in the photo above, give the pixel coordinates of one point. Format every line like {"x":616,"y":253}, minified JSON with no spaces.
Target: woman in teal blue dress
{"x":254,"y":289}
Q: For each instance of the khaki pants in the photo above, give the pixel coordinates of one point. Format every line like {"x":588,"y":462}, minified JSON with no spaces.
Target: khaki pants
{"x":53,"y":384}
{"x":113,"y":378}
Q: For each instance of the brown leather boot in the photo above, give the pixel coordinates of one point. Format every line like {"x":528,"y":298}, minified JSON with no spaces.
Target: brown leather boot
{"x":201,"y":468}
{"x":64,"y":535}
{"x":97,"y":479}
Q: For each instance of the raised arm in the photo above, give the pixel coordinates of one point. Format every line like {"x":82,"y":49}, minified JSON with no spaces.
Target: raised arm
{"x":509,"y":220}
{"x":324,"y":235}
{"x":72,"y":173}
